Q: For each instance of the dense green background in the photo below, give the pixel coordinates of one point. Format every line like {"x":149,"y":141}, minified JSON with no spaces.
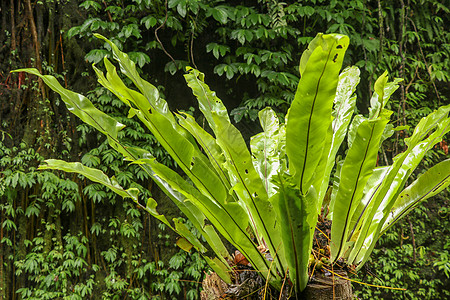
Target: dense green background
{"x":62,"y":236}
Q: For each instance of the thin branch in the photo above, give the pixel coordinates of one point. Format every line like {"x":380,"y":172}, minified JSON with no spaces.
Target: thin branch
{"x":107,"y":11}
{"x":62,"y":59}
{"x":402,"y":107}
{"x":157,"y":38}
{"x":13,"y":27}
{"x":34,"y":35}
{"x":413,"y":239}
{"x":424,"y":59}
{"x":192,"y":50}
{"x":364,"y":52}
{"x":381,"y":24}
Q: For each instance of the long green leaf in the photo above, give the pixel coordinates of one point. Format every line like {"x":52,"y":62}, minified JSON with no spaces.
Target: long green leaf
{"x":187,"y":156}
{"x":383,"y":199}
{"x":82,"y":107}
{"x":425,"y":186}
{"x":245,"y":180}
{"x":344,"y":106}
{"x":172,"y":138}
{"x":100,"y":177}
{"x":248,"y":186}
{"x":309,"y":117}
{"x":298,"y":218}
{"x":372,"y":185}
{"x":207,"y":99}
{"x":409,"y":164}
{"x":209,"y":146}
{"x":92,"y":174}
{"x":192,"y":212}
{"x":220,"y":268}
{"x":383,"y":92}
{"x":268,"y":149}
{"x":150,"y":92}
{"x":228,"y":217}
{"x":357,"y":169}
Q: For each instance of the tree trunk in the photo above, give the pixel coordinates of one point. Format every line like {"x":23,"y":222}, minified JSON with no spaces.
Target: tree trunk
{"x":2,"y":257}
{"x":325,"y":287}
{"x":321,"y":287}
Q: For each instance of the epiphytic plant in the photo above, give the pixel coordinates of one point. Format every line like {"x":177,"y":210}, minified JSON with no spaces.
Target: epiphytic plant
{"x":269,"y":198}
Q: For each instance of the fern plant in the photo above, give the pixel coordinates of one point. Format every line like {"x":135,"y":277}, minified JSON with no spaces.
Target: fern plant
{"x":265,"y":201}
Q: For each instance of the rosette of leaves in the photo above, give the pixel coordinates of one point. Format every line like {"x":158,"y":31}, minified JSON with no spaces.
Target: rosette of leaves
{"x":270,"y":196}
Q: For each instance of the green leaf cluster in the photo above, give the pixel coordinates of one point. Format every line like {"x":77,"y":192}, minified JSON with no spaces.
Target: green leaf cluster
{"x":275,"y":191}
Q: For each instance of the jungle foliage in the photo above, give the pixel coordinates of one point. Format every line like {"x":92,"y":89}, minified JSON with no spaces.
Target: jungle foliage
{"x":232,"y":43}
